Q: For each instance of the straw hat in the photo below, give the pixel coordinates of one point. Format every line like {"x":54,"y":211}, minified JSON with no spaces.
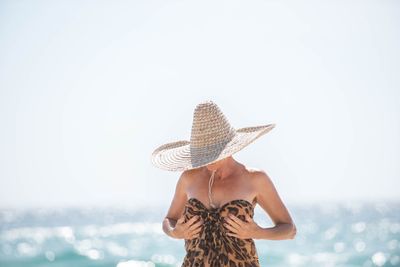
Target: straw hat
{"x":212,"y":139}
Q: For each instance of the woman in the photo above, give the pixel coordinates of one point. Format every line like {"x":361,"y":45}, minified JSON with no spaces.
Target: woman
{"x":213,"y":204}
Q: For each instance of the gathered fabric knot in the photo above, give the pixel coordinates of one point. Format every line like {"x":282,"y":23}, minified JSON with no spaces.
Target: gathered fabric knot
{"x":213,"y":227}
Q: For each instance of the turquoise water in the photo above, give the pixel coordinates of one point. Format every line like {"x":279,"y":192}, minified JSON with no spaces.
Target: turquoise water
{"x":366,"y":234}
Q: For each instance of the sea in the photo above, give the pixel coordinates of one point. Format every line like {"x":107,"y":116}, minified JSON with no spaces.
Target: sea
{"x":328,"y":234}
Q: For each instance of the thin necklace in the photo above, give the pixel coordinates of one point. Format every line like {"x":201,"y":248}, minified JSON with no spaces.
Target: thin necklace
{"x":211,"y":181}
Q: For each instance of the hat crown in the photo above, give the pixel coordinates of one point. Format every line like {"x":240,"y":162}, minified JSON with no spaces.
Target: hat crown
{"x":210,"y":126}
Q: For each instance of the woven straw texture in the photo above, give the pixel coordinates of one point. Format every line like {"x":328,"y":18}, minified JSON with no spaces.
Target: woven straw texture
{"x":212,"y":139}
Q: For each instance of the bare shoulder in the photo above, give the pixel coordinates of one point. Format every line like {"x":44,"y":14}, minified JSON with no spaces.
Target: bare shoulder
{"x":259,"y":177}
{"x":187,"y":176}
{"x":184,"y":178}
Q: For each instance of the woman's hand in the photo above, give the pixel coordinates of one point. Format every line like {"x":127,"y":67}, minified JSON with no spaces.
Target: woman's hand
{"x":187,"y":230}
{"x":241,"y":229}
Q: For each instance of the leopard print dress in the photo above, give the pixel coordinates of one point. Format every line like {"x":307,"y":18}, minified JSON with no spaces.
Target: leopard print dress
{"x":213,"y":247}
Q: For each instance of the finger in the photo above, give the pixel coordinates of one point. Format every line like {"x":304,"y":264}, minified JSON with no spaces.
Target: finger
{"x":232,"y":234}
{"x":236,"y":219}
{"x":194,"y":236}
{"x":181,"y":220}
{"x":248,"y":218}
{"x":192,"y":220}
{"x":196,"y":225}
{"x":231,"y":228}
{"x":198,"y":230}
{"x":232,"y":222}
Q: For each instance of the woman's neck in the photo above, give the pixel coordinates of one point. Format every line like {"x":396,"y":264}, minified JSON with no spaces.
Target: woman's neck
{"x":227,"y":167}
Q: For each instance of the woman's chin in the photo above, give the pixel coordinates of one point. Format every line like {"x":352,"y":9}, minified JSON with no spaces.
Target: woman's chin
{"x":211,"y":167}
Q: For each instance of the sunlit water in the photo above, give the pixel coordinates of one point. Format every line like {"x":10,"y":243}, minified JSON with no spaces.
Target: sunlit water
{"x":327,"y":235}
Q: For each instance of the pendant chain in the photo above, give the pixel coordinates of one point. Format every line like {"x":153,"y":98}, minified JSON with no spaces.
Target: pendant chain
{"x":211,"y":181}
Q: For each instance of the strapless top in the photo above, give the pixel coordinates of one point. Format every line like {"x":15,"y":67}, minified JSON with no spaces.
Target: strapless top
{"x":213,"y":247}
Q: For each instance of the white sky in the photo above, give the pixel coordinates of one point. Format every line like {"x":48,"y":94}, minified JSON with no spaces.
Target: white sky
{"x":88,"y":89}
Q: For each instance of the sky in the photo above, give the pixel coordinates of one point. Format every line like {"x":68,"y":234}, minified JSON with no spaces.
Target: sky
{"x":88,"y":89}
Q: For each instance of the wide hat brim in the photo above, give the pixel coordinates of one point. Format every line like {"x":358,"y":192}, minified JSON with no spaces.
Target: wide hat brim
{"x":179,"y":155}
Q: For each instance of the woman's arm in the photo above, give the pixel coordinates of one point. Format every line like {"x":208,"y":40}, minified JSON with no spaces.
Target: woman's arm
{"x":177,"y":206}
{"x":270,"y":201}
